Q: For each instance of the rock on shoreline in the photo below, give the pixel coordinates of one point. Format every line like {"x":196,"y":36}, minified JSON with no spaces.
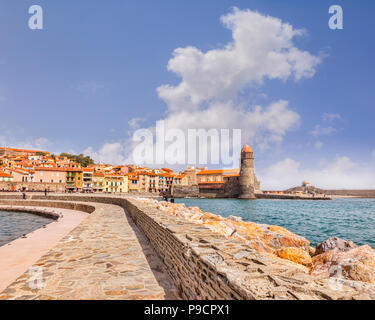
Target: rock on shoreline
{"x":332,"y":258}
{"x":340,"y":258}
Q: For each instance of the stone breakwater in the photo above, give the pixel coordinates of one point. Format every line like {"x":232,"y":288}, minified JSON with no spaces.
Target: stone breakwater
{"x":104,"y":257}
{"x":352,"y":262}
{"x":51,"y":214}
{"x":201,"y":262}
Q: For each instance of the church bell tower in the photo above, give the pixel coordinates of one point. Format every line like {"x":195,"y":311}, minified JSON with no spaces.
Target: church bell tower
{"x":247,"y":175}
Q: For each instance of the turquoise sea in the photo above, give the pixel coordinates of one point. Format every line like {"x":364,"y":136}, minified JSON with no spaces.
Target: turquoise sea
{"x":14,"y":225}
{"x":349,"y":219}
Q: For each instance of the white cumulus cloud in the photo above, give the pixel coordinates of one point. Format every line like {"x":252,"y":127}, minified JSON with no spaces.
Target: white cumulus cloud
{"x":210,"y":92}
{"x":262,"y":48}
{"x":109,"y":153}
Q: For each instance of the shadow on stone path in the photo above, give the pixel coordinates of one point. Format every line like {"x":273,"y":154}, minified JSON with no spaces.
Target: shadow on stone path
{"x":156,"y":264}
{"x":105,"y":258}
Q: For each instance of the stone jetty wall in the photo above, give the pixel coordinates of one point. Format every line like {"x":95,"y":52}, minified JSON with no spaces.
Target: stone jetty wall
{"x":37,"y":212}
{"x":32,"y":186}
{"x":185,"y":191}
{"x":206,"y":265}
{"x":50,"y":204}
{"x":291,"y":197}
{"x":189,"y":259}
{"x":352,"y":193}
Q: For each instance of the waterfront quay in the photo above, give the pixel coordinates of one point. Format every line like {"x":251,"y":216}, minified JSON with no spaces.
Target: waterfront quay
{"x":103,"y":257}
{"x":128,"y":249}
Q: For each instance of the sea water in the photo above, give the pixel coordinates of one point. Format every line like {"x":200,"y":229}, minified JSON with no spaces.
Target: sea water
{"x":14,"y":225}
{"x":349,"y":219}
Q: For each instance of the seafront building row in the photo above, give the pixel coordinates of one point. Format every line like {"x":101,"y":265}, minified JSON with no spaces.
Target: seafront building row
{"x":35,"y":170}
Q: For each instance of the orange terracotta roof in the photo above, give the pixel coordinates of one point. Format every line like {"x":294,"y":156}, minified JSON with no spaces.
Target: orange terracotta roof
{"x":5,"y":175}
{"x":98,"y":174}
{"x":246,"y":148}
{"x":211,"y":182}
{"x":73,"y":169}
{"x":48,"y":169}
{"x":24,"y":150}
{"x":223,"y":171}
{"x":20,"y":171}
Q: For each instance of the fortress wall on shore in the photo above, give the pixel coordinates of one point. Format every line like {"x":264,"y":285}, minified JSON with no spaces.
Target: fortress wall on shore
{"x":32,"y":186}
{"x":206,"y":265}
{"x":352,"y":193}
{"x":289,"y":197}
{"x":185,"y":191}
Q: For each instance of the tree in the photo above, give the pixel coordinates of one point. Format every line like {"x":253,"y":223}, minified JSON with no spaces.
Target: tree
{"x":84,"y":161}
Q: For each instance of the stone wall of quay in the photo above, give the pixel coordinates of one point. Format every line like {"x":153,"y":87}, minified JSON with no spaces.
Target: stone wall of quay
{"x":17,"y":201}
{"x":185,"y":191}
{"x":206,"y":265}
{"x":290,"y":197}
{"x":231,"y":190}
{"x":32,"y":186}
{"x":352,"y":193}
{"x":38,"y":212}
{"x":228,"y":190}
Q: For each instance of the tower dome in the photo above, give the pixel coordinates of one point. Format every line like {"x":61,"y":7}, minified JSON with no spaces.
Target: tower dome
{"x":246,"y":148}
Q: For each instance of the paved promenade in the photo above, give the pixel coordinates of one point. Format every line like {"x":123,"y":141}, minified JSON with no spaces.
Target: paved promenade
{"x":17,"y":256}
{"x":105,"y":257}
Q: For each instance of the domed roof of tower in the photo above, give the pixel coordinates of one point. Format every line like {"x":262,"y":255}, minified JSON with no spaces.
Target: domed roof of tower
{"x":246,"y":148}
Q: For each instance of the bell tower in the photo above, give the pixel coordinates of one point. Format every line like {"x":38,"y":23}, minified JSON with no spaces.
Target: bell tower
{"x":247,"y":175}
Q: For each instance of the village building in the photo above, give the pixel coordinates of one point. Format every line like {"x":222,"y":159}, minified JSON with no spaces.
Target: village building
{"x":5,"y":177}
{"x":116,"y":183}
{"x":87,"y":179}
{"x":49,"y":175}
{"x":98,"y":182}
{"x":74,"y":179}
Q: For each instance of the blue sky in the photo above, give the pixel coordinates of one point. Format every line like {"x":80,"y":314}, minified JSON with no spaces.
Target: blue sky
{"x":97,"y":65}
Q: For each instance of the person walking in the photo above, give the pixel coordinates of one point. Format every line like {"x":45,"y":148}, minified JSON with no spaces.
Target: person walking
{"x":45,"y":192}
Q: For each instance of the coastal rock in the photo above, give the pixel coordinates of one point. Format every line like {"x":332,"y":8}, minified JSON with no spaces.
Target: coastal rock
{"x":356,"y":264}
{"x":235,"y":218}
{"x":260,"y":237}
{"x":297,"y":255}
{"x":334,"y":243}
{"x":334,"y":262}
{"x":312,"y":251}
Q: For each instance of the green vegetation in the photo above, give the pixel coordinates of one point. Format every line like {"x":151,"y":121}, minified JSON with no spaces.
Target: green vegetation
{"x":84,"y":161}
{"x":40,"y":154}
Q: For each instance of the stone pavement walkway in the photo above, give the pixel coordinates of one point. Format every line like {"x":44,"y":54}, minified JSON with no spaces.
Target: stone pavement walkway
{"x":17,"y":256}
{"x":105,"y":257}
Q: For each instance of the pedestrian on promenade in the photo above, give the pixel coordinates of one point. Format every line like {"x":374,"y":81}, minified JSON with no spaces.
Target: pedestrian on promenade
{"x":45,"y":192}
{"x":23,"y":195}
